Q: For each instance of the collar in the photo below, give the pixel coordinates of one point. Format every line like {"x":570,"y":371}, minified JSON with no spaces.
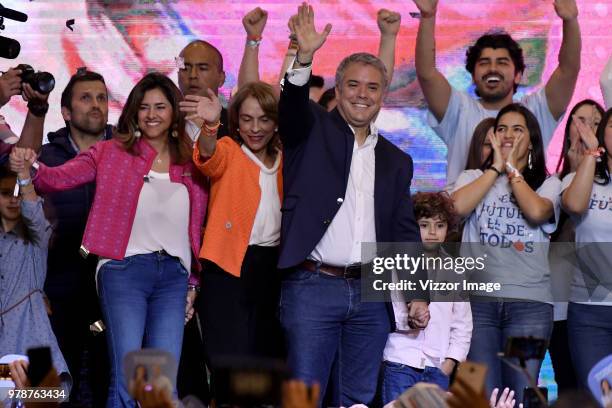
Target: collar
{"x":371,"y":138}
{"x":258,"y":162}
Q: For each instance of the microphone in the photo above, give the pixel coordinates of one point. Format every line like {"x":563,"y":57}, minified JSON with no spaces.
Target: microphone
{"x":13,"y":14}
{"x":9,"y":48}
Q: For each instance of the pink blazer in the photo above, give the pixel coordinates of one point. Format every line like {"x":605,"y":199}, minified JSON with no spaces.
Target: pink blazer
{"x":119,"y":177}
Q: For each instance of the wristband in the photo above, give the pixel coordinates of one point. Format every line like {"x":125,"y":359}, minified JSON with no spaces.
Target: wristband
{"x":513,"y":171}
{"x":211,"y":129}
{"x":254,"y":38}
{"x":491,"y":167}
{"x":24,"y":182}
{"x":38,"y":108}
{"x":253,"y":43}
{"x":595,"y":152}
{"x":302,"y":64}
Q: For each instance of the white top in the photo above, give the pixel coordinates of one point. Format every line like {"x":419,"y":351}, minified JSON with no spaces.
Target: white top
{"x":267,"y":224}
{"x":516,"y":250}
{"x":447,"y":335}
{"x":593,"y":273}
{"x":161,"y":221}
{"x":464,"y":113}
{"x":354,"y":222}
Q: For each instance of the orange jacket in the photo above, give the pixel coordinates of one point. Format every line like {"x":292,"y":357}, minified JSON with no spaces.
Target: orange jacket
{"x":232,"y":204}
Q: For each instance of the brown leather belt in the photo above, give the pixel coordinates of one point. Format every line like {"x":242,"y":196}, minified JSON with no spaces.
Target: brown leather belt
{"x":352,"y":271}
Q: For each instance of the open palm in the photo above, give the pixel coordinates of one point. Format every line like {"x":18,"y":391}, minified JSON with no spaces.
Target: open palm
{"x":303,"y":25}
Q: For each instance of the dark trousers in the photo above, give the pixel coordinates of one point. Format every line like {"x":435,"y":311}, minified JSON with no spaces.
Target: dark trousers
{"x":84,"y":352}
{"x":240,"y":315}
{"x":560,"y":355}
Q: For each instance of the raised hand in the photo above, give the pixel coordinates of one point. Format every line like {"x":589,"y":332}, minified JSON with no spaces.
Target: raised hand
{"x":388,"y":22}
{"x":254,"y":22}
{"x":309,"y":40}
{"x":202,"y":109}
{"x":511,"y":159}
{"x":586,"y":134}
{"x":427,"y":8}
{"x":566,"y":9}
{"x":10,"y":85}
{"x":506,"y":399}
{"x":29,"y":94}
{"x":498,"y":160}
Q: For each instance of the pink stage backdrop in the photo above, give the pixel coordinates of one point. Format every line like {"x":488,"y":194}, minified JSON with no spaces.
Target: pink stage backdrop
{"x":125,"y":39}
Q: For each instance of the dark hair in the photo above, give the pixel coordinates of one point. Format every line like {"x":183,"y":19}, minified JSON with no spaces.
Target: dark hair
{"x":495,"y":40}
{"x":563,"y":159}
{"x":438,"y":204}
{"x":212,"y":47}
{"x":80,"y":76}
{"x":538,"y":173}
{"x":317,"y":81}
{"x":5,"y":172}
{"x":602,"y":174}
{"x":265,"y":96}
{"x":474,"y":160}
{"x":326,"y":97}
{"x":180,"y":146}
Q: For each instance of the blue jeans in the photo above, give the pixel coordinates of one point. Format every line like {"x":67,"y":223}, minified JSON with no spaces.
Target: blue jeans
{"x":143,"y":303}
{"x":589,"y":331}
{"x":494,"y":322}
{"x":397,"y":378}
{"x":322,"y":315}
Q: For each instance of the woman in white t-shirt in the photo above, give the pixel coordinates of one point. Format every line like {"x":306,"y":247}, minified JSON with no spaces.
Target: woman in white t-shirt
{"x":508,"y":222}
{"x":587,"y":197}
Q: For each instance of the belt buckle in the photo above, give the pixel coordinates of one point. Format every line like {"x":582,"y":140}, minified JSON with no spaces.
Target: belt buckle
{"x":347,"y":267}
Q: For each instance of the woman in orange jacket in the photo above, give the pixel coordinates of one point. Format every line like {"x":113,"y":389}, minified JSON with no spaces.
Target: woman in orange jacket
{"x":240,"y":283}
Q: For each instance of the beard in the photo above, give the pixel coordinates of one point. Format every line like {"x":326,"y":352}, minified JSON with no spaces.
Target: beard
{"x":89,"y":126}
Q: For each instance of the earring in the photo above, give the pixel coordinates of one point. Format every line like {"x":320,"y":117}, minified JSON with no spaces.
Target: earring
{"x":174,"y":132}
{"x":529,"y":161}
{"x":276,"y":130}
{"x":137,"y":133}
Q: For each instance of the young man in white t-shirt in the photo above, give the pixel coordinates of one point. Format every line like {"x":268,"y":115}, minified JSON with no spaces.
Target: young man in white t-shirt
{"x":496,"y":64}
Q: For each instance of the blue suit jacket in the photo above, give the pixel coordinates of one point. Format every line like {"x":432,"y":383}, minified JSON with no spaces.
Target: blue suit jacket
{"x":317,"y":148}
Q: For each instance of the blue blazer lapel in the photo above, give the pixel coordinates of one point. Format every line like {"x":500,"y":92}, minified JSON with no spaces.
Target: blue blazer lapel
{"x":383,"y":182}
{"x":349,"y":141}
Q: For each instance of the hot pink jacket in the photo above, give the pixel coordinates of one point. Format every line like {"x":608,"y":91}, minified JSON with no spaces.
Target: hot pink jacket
{"x":119,"y":177}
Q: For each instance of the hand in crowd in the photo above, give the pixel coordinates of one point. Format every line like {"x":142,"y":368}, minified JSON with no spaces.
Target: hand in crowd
{"x":150,"y":396}
{"x":506,"y":399}
{"x":418,"y":314}
{"x":498,"y":160}
{"x":202,"y":109}
{"x":10,"y":85}
{"x":388,"y":22}
{"x":566,"y":9}
{"x":254,"y":22}
{"x":29,"y":94}
{"x":19,"y":373}
{"x":587,"y":137}
{"x":511,"y":159}
{"x":191,"y":297}
{"x":296,"y":394}
{"x":309,"y":40}
{"x":427,"y":8}
{"x":464,"y":396}
{"x":21,"y":160}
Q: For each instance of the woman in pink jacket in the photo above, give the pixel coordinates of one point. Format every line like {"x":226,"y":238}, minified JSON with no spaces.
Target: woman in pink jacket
{"x":145,"y":224}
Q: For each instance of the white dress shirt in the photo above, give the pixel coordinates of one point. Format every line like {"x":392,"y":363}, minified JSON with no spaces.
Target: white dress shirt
{"x":354,"y":222}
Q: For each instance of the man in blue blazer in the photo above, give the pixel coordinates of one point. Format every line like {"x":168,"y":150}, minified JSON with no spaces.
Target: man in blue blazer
{"x":344,"y":185}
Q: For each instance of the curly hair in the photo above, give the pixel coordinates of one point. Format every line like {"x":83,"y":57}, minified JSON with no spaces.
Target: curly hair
{"x":438,"y":204}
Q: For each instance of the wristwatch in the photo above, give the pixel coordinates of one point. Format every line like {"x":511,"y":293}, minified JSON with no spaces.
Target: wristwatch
{"x":24,"y":182}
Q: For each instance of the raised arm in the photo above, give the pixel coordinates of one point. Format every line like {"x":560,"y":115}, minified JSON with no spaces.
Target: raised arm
{"x":435,"y":87}
{"x":560,"y":86}
{"x":605,"y":82}
{"x":295,"y":118}
{"x":254,"y":23}
{"x":575,"y":198}
{"x":32,"y":132}
{"x":39,"y":229}
{"x":207,"y":111}
{"x":389,"y":26}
